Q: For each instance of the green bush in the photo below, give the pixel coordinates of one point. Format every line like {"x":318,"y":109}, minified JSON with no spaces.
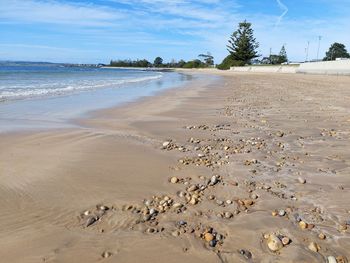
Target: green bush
{"x":230,"y":62}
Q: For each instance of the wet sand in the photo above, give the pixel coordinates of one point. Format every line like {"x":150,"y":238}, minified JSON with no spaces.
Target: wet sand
{"x":254,"y":160}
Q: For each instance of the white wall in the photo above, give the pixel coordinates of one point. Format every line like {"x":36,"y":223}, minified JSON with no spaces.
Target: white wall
{"x":341,"y":67}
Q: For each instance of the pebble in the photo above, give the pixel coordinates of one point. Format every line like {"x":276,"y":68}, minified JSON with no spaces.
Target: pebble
{"x":342,"y":228}
{"x":213,"y":180}
{"x":90,"y":221}
{"x":176,"y":233}
{"x":281,"y":212}
{"x":274,"y":243}
{"x":166,"y":143}
{"x":301,"y":180}
{"x":302,"y":225}
{"x":228,"y":202}
{"x":322,"y":236}
{"x":331,"y":259}
{"x":208,"y":237}
{"x":106,"y":254}
{"x":247,"y":254}
{"x":285,"y":241}
{"x":87,"y":212}
{"x":193,"y":201}
{"x":228,"y":215}
{"x":174,"y":180}
{"x":212,"y":243}
{"x":254,"y":196}
{"x":313,"y":247}
{"x":192,"y":188}
{"x":274,"y":213}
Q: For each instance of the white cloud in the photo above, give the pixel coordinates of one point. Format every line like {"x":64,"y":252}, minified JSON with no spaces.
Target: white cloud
{"x":54,"y":12}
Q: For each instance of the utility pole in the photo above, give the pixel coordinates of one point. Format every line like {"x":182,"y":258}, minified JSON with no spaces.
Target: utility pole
{"x":319,"y":44}
{"x":307,"y":51}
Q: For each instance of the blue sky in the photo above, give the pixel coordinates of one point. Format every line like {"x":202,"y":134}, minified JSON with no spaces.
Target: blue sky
{"x":93,"y":31}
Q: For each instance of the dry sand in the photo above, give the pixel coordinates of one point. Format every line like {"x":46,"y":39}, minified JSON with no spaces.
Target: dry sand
{"x":258,"y":134}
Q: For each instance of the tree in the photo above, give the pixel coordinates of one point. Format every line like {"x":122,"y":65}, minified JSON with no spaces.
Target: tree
{"x":336,"y":50}
{"x":283,"y":56}
{"x":208,"y":58}
{"x":229,"y":62}
{"x":158,"y":62}
{"x":242,"y":44}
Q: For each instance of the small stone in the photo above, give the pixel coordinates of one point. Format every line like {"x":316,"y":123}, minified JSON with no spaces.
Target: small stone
{"x":331,"y":259}
{"x":303,"y":225}
{"x":274,"y":213}
{"x":87,"y":212}
{"x":219,"y":202}
{"x":208,"y":237}
{"x":212,"y":243}
{"x":211,"y":197}
{"x":254,"y":196}
{"x":285,"y":241}
{"x":213,"y":180}
{"x":177,"y":205}
{"x":176,"y":233}
{"x":301,"y":180}
{"x":322,"y":236}
{"x":342,"y":228}
{"x":245,"y":253}
{"x":248,"y":202}
{"x":313,"y":247}
{"x":174,"y":180}
{"x":192,"y":188}
{"x":106,"y":254}
{"x":281,"y":212}
{"x":166,"y":144}
{"x":90,"y":221}
{"x":228,"y":215}
{"x":193,"y":201}
{"x":274,"y":243}
{"x":228,"y":202}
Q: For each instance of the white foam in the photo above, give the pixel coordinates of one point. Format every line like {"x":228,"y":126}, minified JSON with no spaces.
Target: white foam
{"x":54,"y":89}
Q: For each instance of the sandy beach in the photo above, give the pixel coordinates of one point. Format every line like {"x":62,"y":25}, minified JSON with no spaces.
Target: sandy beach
{"x":249,"y":168}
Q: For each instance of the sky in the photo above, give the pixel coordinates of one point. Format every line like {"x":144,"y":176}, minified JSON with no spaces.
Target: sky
{"x":96,"y":31}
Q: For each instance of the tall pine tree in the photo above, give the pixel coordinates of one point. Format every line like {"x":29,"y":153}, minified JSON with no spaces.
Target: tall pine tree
{"x":283,"y":55}
{"x":242,"y":44}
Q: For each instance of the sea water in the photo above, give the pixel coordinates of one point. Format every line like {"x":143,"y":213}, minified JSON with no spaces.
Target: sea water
{"x":45,"y":95}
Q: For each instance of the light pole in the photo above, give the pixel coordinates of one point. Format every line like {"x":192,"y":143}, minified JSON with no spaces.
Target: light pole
{"x":307,"y":51}
{"x":319,"y":43}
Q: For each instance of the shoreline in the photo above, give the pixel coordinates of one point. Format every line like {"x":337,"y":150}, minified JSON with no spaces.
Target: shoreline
{"x":259,"y":145}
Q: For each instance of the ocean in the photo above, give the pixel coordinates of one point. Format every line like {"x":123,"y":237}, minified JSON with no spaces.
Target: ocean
{"x":45,"y":95}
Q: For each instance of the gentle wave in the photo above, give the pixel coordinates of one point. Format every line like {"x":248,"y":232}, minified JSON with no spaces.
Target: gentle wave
{"x":47,"y":89}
